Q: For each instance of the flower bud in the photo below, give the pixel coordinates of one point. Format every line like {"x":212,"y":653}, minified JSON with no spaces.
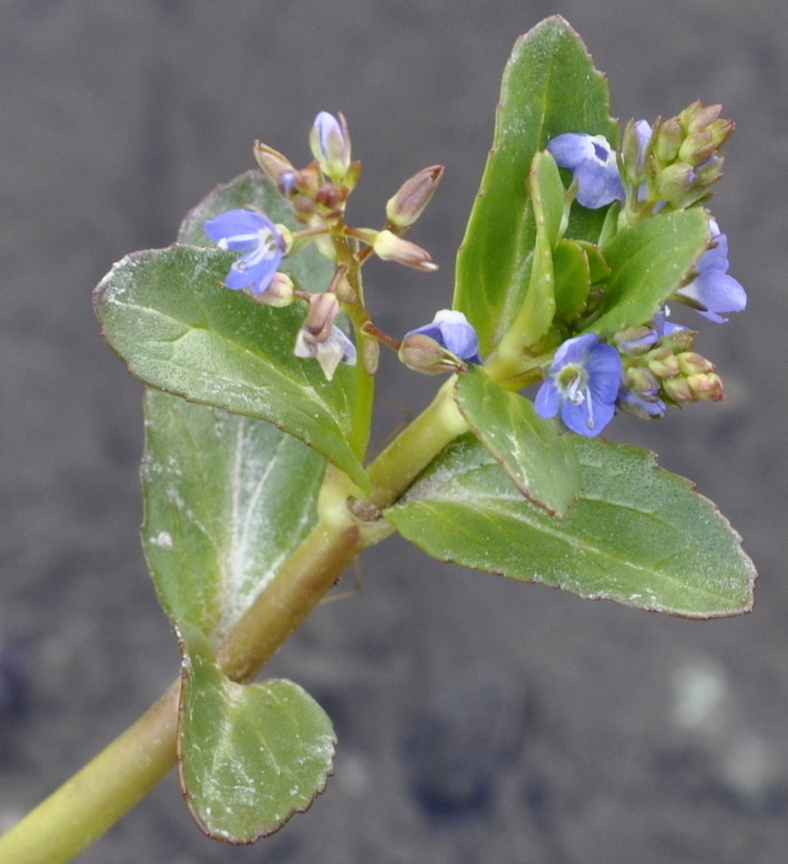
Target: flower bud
{"x":634,"y":142}
{"x":329,"y":141}
{"x":641,"y":381}
{"x":668,"y":140}
{"x":674,"y":181}
{"x":691,"y":363}
{"x":278,"y":293}
{"x":635,"y":340}
{"x":405,"y":207}
{"x":274,"y":165}
{"x":323,"y":309}
{"x":707,"y":385}
{"x":678,"y":390}
{"x":426,"y":355}
{"x":389,"y":247}
{"x":663,"y":363}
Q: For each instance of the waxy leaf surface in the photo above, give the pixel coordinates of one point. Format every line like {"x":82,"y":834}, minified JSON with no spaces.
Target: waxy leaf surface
{"x":249,"y":756}
{"x":168,"y":315}
{"x":541,"y":462}
{"x":648,"y":263}
{"x":227,"y":500}
{"x":550,"y":86}
{"x":638,"y":534}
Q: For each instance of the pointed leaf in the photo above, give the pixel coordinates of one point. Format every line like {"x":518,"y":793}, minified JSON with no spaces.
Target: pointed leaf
{"x":249,"y":756}
{"x":550,"y":86}
{"x":310,"y":270}
{"x":547,"y":198}
{"x":168,"y":315}
{"x":541,"y":462}
{"x":638,"y":534}
{"x":648,"y":263}
{"x":227,"y":500}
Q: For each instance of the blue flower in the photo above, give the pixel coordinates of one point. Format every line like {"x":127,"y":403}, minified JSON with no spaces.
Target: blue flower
{"x":713,"y":291}
{"x":582,"y":385}
{"x":452,"y":331}
{"x":593,"y":163}
{"x":254,"y":234}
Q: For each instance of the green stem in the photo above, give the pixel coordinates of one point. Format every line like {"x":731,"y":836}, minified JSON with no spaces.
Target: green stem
{"x":89,"y":803}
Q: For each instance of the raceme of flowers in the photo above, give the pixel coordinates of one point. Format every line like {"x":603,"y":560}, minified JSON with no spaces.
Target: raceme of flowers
{"x":641,"y":370}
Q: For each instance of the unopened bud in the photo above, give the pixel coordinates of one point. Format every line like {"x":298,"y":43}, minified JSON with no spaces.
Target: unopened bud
{"x":697,"y":116}
{"x":663,"y":363}
{"x":633,"y":149}
{"x":323,"y":309}
{"x":707,"y":385}
{"x":641,"y":381}
{"x":278,"y":293}
{"x":674,"y":181}
{"x":329,"y":141}
{"x":405,"y":207}
{"x":635,"y":340}
{"x":668,"y":140}
{"x":426,"y":355}
{"x":691,"y":363}
{"x":274,"y":165}
{"x":678,"y":390}
{"x":389,"y":247}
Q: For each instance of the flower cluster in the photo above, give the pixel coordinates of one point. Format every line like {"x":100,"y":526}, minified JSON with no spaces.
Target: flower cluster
{"x":317,"y":195}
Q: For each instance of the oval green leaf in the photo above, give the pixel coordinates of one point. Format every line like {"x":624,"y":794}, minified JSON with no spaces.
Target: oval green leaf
{"x":638,"y":535}
{"x":541,"y":462}
{"x":227,"y":500}
{"x":550,"y":86}
{"x":168,"y":315}
{"x":648,"y":263}
{"x":249,"y":756}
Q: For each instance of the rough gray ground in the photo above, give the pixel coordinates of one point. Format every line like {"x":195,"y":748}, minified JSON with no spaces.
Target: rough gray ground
{"x":584,"y":721}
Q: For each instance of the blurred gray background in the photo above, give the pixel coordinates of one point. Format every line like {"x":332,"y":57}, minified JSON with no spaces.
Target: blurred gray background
{"x":480,"y":720}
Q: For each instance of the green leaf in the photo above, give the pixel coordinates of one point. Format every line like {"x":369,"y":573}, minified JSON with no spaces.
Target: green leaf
{"x":550,"y":86}
{"x":541,"y":462}
{"x":227,"y":500}
{"x":168,"y":315}
{"x":572,"y":279}
{"x":547,"y":197}
{"x":638,"y":534}
{"x":310,"y":270}
{"x":648,"y":263}
{"x":249,"y":756}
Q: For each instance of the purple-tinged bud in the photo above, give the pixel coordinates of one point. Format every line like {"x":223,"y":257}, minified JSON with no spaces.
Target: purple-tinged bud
{"x":274,"y":165}
{"x":329,"y":141}
{"x":426,"y":355}
{"x":389,"y":247}
{"x":710,"y":171}
{"x":319,"y":337}
{"x":634,"y":142}
{"x":323,"y":309}
{"x":668,"y":139}
{"x":691,"y":363}
{"x":707,"y":385}
{"x":405,"y":207}
{"x":674,"y":181}
{"x":636,"y":340}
